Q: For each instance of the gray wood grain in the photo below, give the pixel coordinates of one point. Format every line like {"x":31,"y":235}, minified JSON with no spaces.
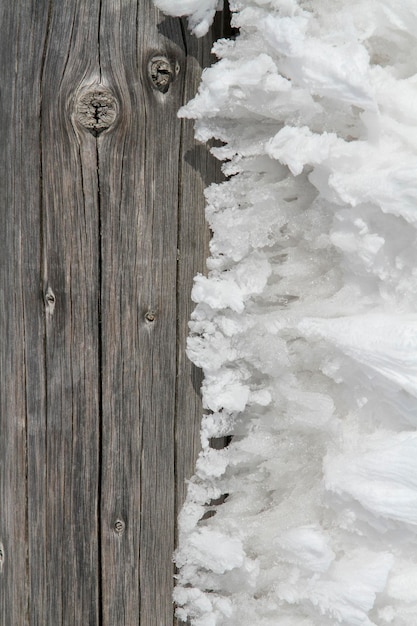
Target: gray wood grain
{"x":21,"y":341}
{"x":138,"y":164}
{"x":101,"y":232}
{"x":70,"y":229}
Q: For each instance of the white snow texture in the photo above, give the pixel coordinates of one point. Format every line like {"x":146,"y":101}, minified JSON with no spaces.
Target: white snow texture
{"x":306,"y":326}
{"x":200,"y":12}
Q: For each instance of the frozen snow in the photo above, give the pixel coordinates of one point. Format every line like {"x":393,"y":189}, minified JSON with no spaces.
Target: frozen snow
{"x":306,"y":325}
{"x":200,"y":12}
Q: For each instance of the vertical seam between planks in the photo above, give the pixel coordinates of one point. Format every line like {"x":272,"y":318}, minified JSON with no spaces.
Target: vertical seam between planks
{"x":43,"y":272}
{"x":145,"y":115}
{"x":100,"y":397}
{"x":100,"y":364}
{"x":18,"y":77}
{"x":26,"y":584}
{"x":25,"y":383}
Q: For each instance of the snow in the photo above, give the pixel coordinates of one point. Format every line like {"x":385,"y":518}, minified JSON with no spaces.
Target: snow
{"x":306,"y":325}
{"x":201,"y":12}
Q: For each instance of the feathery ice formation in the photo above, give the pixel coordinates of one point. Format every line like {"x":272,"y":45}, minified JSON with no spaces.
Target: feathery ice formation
{"x":306,"y":326}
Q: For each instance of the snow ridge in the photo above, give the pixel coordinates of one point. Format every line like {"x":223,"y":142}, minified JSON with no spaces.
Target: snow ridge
{"x":306,"y":326}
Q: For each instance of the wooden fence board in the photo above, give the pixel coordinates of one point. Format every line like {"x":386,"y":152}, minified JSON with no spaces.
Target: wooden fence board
{"x":70,"y":227}
{"x":22,"y":405}
{"x":138,"y":164}
{"x":101,"y":231}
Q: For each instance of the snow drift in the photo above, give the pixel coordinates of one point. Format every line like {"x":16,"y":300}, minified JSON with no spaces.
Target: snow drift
{"x":306,"y":326}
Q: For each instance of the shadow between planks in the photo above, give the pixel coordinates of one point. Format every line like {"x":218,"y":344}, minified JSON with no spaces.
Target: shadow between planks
{"x":102,"y":230}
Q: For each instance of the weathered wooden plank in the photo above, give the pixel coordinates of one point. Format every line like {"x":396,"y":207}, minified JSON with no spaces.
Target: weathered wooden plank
{"x":13,"y":597}
{"x":139,"y":172}
{"x":70,"y":229}
{"x":22,"y":390}
{"x":34,"y":36}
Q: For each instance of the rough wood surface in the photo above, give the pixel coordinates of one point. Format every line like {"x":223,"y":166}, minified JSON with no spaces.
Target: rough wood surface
{"x":101,"y":231}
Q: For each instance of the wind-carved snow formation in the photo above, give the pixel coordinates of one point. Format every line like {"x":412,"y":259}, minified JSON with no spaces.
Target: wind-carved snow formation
{"x":306,"y":326}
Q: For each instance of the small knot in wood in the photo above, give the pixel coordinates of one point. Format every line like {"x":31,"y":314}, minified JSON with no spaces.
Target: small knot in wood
{"x":162,"y":72}
{"x":119,"y":527}
{"x":96,"y":110}
{"x":1,"y":557}
{"x":150,"y":316}
{"x":50,"y":301}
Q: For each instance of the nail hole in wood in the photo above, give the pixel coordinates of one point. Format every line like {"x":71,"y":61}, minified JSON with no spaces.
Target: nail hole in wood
{"x":96,"y":110}
{"x":162,"y":72}
{"x":119,"y":527}
{"x":50,"y":301}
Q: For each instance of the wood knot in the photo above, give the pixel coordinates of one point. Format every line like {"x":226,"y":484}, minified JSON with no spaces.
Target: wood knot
{"x":96,"y":109}
{"x":1,"y":557}
{"x":119,"y":527}
{"x":162,"y":72}
{"x":150,"y":316}
{"x":50,"y":301}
